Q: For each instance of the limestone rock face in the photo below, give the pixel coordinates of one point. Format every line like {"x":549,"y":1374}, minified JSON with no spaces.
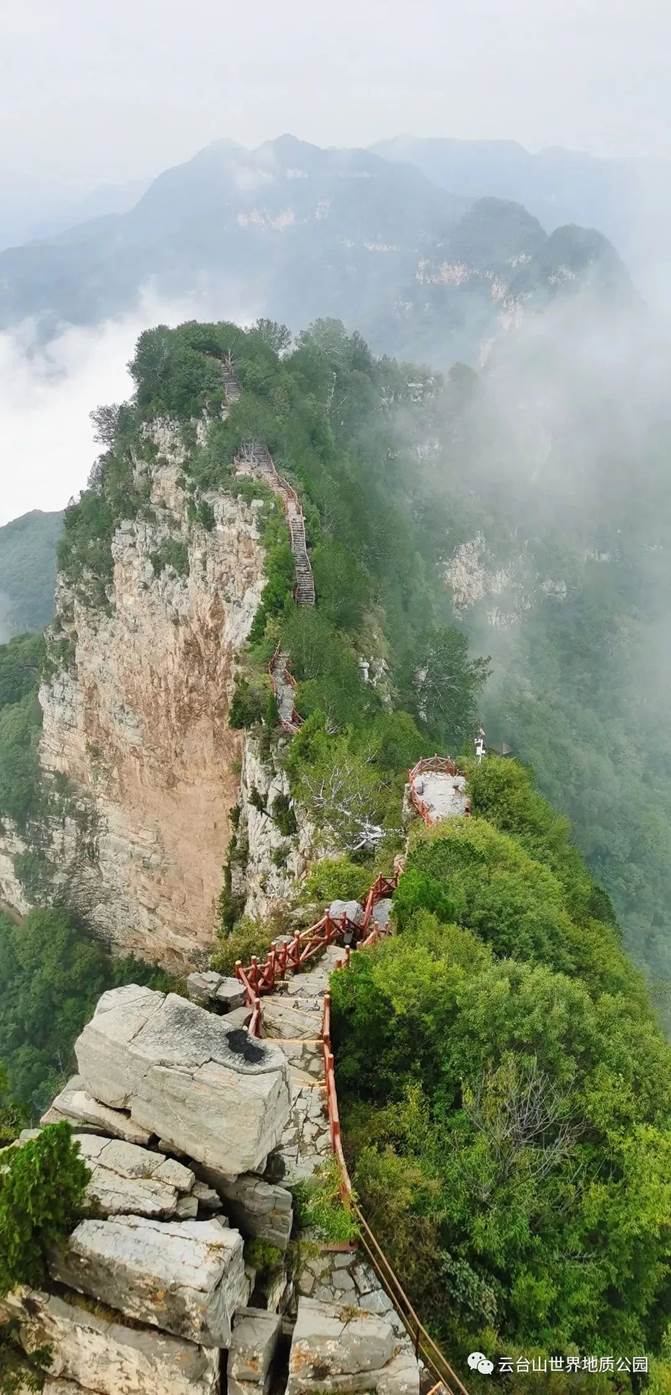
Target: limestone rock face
{"x":127,"y":1180}
{"x":255,"y":1336}
{"x":206,"y":1089}
{"x":261,"y":1210}
{"x":138,"y":720}
{"x":275,"y":861}
{"x":77,"y":1107}
{"x":346,"y":1350}
{"x":12,"y":893}
{"x":186,"y":1277}
{"x":96,"y":1352}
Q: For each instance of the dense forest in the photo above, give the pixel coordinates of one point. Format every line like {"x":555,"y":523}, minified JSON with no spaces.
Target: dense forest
{"x":507,"y":1115}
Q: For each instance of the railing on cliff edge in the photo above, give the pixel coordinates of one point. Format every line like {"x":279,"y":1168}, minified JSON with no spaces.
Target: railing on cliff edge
{"x":261,"y":978}
{"x":257,"y":453}
{"x":441,"y":765}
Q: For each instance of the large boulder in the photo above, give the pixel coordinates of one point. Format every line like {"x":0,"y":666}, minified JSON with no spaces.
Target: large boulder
{"x":186,"y":1277}
{"x":342,"y":1349}
{"x":207,"y":1088}
{"x":94,"y":1351}
{"x":77,"y":1107}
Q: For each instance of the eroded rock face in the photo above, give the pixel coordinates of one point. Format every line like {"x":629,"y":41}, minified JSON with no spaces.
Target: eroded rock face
{"x":97,"y":1352}
{"x":261,"y":1210}
{"x":138,"y":722}
{"x":186,"y":1277}
{"x":253,"y":1344}
{"x":275,"y":861}
{"x":12,"y":893}
{"x":207,"y":1089}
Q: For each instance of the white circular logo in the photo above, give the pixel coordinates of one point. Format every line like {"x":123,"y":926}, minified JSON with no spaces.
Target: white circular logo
{"x":479,"y":1362}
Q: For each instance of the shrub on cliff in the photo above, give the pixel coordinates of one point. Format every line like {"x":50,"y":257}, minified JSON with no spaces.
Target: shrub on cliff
{"x":42,"y":1185}
{"x":505,"y":1092}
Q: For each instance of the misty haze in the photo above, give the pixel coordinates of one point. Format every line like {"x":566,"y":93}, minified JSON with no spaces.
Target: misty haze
{"x":335,"y":748}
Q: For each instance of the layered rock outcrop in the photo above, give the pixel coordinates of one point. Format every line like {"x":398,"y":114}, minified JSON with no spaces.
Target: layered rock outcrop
{"x":274,"y":841}
{"x":137,"y":719}
{"x":96,"y":1351}
{"x":186,"y":1277}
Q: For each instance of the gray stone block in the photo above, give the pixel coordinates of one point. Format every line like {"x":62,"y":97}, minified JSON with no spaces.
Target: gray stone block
{"x":186,"y":1277}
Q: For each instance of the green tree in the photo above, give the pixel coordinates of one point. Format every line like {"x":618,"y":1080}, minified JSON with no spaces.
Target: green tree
{"x":443,"y":683}
{"x":42,"y":1187}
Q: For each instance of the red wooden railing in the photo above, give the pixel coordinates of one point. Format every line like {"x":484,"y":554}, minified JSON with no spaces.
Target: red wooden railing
{"x":442,"y":765}
{"x":261,"y":977}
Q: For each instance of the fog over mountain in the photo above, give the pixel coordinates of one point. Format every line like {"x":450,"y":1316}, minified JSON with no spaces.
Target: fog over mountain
{"x":627,"y":198}
{"x":298,"y":232}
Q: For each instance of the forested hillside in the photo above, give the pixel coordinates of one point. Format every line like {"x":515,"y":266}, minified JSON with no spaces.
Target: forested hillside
{"x":507,"y":1112}
{"x":28,"y":572}
{"x":507,"y":1115}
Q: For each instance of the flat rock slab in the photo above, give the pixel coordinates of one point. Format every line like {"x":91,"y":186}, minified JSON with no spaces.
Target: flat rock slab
{"x":444,"y":795}
{"x":337,"y":1348}
{"x":206,"y":1088}
{"x":128,"y":1180}
{"x":96,"y":1352}
{"x":76,"y":1106}
{"x":186,"y":1277}
{"x":353,"y":910}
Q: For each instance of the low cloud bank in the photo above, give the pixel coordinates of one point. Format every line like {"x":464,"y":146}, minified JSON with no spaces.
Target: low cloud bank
{"x":48,"y":390}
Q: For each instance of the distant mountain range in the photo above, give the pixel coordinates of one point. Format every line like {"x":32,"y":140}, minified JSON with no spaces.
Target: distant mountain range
{"x":296,"y":232}
{"x":28,"y":572}
{"x":628,"y":199}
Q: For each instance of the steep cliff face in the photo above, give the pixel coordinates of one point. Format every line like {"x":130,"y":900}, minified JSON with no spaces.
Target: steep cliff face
{"x":274,"y":840}
{"x":137,"y":721}
{"x":13,"y":896}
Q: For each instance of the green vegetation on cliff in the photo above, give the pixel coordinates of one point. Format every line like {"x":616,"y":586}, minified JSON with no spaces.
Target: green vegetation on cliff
{"x":28,"y":572}
{"x":506,"y":1091}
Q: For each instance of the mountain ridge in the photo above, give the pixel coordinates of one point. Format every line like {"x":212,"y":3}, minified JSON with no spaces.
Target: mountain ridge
{"x":294,"y":232}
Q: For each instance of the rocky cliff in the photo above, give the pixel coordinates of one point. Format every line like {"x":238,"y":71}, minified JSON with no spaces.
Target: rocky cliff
{"x":182,"y":1280}
{"x":136,"y":741}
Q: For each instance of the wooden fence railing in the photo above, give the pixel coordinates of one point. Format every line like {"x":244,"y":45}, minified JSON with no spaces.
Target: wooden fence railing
{"x":439,"y":765}
{"x":259,"y":978}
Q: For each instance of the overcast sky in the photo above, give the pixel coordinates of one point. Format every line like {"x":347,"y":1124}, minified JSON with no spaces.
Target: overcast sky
{"x":94,"y":90}
{"x":99,"y":91}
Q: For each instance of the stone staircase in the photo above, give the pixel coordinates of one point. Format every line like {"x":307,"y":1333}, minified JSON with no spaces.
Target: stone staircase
{"x":255,"y":459}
